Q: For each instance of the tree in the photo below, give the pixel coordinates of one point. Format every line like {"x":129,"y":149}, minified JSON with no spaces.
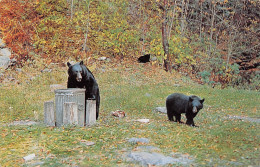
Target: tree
{"x":165,"y":31}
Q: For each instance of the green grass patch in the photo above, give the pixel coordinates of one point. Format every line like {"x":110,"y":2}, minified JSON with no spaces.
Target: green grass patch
{"x":219,"y":141}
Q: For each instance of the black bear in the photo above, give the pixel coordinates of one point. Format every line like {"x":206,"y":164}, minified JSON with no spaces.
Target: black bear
{"x":178,"y":103}
{"x":144,"y":59}
{"x":81,"y":77}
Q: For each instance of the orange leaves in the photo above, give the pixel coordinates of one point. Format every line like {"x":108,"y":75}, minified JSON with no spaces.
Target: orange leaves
{"x":16,"y":23}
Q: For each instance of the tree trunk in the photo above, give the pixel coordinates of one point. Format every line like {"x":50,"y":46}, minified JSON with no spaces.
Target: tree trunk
{"x":212,"y":27}
{"x":201,"y":15}
{"x":165,"y":42}
{"x":86,"y":36}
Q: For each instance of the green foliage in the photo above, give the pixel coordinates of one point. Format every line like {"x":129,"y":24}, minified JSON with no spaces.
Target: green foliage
{"x":205,"y":76}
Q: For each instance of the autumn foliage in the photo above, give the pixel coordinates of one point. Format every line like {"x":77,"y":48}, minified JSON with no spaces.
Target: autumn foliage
{"x":17,"y":26}
{"x":207,"y":40}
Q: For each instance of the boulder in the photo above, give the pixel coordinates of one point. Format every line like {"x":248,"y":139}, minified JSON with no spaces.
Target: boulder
{"x":2,"y":44}
{"x":161,"y":109}
{"x":4,"y":62}
{"x":5,"y":52}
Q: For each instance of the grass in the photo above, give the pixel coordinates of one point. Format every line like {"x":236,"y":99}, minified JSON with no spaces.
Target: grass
{"x":137,"y":90}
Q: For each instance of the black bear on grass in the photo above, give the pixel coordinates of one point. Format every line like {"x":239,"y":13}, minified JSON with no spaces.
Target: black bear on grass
{"x":178,"y":103}
{"x":81,"y":77}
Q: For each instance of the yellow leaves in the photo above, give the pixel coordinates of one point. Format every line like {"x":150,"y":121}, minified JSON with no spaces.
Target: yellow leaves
{"x":225,"y":1}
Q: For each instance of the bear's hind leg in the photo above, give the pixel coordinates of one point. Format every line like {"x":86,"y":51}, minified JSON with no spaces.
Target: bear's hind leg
{"x":170,"y":116}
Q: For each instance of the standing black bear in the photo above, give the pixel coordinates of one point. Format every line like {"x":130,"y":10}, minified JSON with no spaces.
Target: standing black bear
{"x":81,"y":77}
{"x":178,"y":103}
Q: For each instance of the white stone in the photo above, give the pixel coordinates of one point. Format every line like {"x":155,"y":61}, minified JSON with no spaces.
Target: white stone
{"x":4,"y":62}
{"x":2,"y":44}
{"x":29,"y":157}
{"x":5,"y":52}
{"x":102,"y":58}
{"x":143,"y":120}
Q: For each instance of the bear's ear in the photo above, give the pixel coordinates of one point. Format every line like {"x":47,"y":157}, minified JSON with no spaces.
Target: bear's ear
{"x":201,"y":101}
{"x":68,"y":64}
{"x":190,"y":98}
{"x":81,"y":63}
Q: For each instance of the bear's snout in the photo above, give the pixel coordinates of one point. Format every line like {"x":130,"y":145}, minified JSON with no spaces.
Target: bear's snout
{"x":79,"y":77}
{"x":194,"y":109}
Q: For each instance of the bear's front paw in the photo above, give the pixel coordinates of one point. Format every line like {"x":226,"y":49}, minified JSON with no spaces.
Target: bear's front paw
{"x":91,"y":98}
{"x":194,"y":126}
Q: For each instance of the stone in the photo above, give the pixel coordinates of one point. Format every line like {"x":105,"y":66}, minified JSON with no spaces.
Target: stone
{"x":138,"y":140}
{"x":177,"y":85}
{"x":4,"y":62}
{"x":29,"y":157}
{"x":22,"y":122}
{"x":102,"y":58}
{"x":5,"y":52}
{"x":108,"y":60}
{"x":2,"y":44}
{"x":46,"y":70}
{"x":87,"y":143}
{"x":147,"y":148}
{"x":161,"y":109}
{"x":153,"y":158}
{"x":249,"y":119}
{"x":18,"y":70}
{"x":146,"y":158}
{"x":153,"y":58}
{"x":143,"y":120}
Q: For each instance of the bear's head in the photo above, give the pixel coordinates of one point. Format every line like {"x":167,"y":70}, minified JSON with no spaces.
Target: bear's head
{"x":77,"y":71}
{"x":195,"y":103}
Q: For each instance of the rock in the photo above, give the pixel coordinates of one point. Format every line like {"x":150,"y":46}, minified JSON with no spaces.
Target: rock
{"x":4,"y":62}
{"x":249,"y":119}
{"x":2,"y":44}
{"x":147,"y":148}
{"x":18,"y":69}
{"x":46,"y":70}
{"x":29,"y":157}
{"x":161,"y":109}
{"x":108,"y":60}
{"x":146,"y":158}
{"x":153,"y":58}
{"x":143,"y":120}
{"x":177,"y":85}
{"x":102,"y":58}
{"x":148,"y":95}
{"x":5,"y":52}
{"x":153,"y":158}
{"x":138,"y":140}
{"x":87,"y":143}
{"x":22,"y":122}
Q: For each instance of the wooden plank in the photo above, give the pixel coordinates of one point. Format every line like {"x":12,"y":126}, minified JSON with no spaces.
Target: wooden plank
{"x":90,"y":112}
{"x":70,"y":113}
{"x":49,"y":116}
{"x":75,"y":95}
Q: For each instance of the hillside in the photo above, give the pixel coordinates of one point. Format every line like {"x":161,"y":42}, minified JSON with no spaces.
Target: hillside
{"x":213,"y":42}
